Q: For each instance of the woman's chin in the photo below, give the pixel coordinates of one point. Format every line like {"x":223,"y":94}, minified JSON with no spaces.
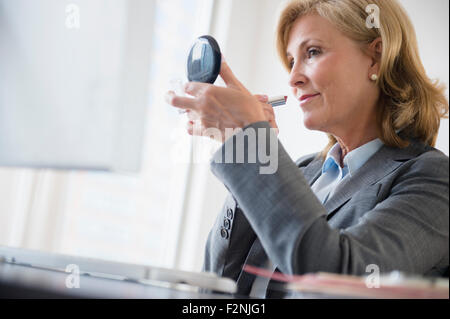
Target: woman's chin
{"x":310,"y":123}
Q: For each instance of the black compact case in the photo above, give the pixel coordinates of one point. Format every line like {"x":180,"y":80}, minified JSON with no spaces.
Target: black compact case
{"x":204,"y":60}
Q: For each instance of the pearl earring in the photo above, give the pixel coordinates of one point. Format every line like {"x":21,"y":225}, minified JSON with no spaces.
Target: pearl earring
{"x":374,"y":77}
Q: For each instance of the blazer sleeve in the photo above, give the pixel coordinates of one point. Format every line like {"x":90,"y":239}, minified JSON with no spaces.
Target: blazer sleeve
{"x":408,"y":231}
{"x":228,"y":242}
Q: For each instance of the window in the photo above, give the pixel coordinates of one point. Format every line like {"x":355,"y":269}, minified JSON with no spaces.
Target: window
{"x":137,"y":218}
{"x":132,"y":218}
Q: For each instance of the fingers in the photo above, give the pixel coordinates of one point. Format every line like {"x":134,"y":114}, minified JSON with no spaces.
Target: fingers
{"x":226,"y":74}
{"x":179,"y":101}
{"x":206,"y":90}
{"x":193,"y":128}
{"x":262,"y":98}
{"x":270,"y":116}
{"x":197,"y":128}
{"x":229,"y":78}
{"x":268,"y":109}
{"x":197,"y":88}
{"x":193,"y":116}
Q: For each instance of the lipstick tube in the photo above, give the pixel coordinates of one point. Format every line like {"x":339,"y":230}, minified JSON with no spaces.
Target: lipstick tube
{"x":277,"y":100}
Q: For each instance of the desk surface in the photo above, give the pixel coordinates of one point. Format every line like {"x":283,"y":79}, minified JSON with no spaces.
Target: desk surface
{"x":18,"y":281}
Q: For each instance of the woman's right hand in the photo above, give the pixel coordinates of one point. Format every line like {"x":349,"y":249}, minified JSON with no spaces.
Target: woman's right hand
{"x":268,"y":111}
{"x":267,"y":108}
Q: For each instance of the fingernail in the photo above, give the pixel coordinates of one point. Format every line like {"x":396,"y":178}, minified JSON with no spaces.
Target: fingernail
{"x":186,"y":87}
{"x":262,"y":98}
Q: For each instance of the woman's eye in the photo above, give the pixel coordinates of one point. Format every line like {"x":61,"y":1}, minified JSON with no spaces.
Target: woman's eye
{"x":313,"y":52}
{"x":291,"y":64}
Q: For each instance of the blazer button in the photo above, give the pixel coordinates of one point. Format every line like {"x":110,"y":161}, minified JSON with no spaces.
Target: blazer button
{"x":224,"y":233}
{"x":230,"y":213}
{"x":226,"y":223}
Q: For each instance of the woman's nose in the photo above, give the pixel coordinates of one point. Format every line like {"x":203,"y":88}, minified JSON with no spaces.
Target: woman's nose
{"x":297,"y":78}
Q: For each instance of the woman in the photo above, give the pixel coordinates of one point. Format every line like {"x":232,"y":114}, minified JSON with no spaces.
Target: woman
{"x":376,"y":196}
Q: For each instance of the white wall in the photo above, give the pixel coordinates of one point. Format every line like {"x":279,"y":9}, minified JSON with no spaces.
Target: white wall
{"x":250,"y":50}
{"x":431,"y":21}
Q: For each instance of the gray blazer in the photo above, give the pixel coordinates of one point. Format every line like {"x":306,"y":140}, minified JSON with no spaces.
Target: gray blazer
{"x":393,"y":212}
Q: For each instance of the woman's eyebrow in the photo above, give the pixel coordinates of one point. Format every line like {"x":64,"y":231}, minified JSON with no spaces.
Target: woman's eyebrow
{"x":303,"y":44}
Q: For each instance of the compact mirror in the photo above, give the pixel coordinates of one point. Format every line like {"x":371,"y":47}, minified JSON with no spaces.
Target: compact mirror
{"x":203,"y":64}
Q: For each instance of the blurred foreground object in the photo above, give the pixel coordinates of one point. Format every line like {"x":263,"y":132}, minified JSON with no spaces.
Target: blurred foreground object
{"x":394,"y":285}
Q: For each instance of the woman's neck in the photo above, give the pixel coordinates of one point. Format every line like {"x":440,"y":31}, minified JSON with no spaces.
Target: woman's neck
{"x":353,"y":142}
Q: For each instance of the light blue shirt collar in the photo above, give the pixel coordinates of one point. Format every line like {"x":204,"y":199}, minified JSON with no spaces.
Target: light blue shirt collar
{"x":353,"y":160}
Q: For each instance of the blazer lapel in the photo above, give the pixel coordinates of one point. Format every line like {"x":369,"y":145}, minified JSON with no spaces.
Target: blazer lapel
{"x":386,"y":160}
{"x":256,"y":257}
{"x":312,"y":171}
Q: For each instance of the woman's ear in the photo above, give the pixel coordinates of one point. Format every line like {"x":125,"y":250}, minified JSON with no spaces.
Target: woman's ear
{"x":375,"y":51}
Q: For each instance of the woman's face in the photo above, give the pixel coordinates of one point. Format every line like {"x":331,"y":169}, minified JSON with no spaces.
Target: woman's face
{"x":332,"y":70}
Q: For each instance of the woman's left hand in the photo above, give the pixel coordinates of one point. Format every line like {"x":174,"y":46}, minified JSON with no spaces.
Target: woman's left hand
{"x":211,"y":106}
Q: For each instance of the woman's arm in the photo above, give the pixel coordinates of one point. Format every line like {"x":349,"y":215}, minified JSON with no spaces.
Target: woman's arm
{"x":407,"y":231}
{"x":229,"y":241}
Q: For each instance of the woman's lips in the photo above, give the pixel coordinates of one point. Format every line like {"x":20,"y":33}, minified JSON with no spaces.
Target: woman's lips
{"x":306,"y":98}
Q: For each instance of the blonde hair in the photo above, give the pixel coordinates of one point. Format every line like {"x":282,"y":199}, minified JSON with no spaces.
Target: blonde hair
{"x":409,"y":100}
